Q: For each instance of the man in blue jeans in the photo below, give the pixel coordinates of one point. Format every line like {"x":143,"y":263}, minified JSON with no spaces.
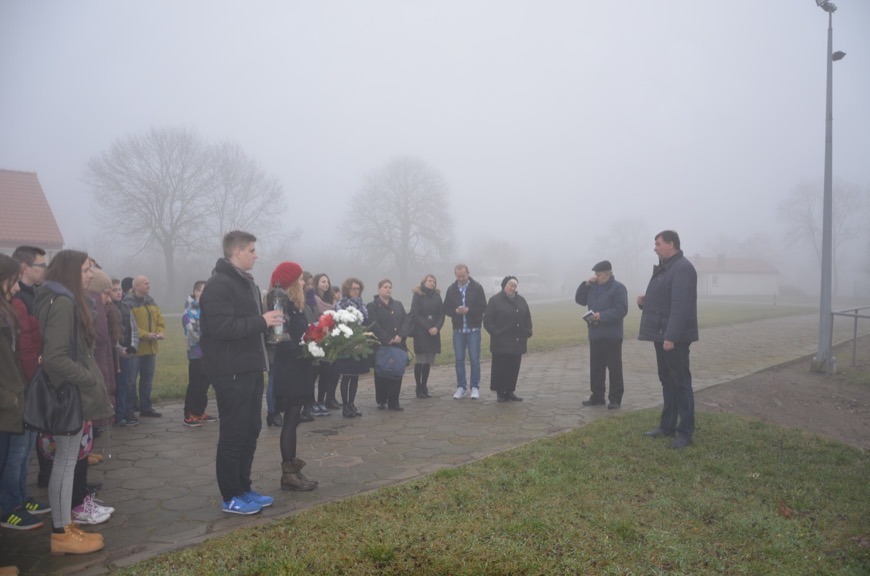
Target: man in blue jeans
{"x":670,"y":321}
{"x":151,"y":326}
{"x":234,"y":356}
{"x":465,"y":303}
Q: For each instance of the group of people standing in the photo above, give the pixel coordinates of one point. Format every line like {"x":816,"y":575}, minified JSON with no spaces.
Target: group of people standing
{"x":226,"y":323}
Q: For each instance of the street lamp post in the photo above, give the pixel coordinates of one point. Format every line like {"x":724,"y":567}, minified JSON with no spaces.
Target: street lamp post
{"x":823,"y":360}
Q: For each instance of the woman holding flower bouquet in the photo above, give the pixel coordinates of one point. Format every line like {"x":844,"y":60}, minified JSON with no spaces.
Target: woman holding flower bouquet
{"x":349,"y":368}
{"x":391,"y":326}
{"x":317,"y":301}
{"x":292,"y":372}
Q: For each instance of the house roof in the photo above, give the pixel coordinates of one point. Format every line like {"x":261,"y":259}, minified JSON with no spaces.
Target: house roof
{"x":724,"y":265}
{"x":26,"y":217}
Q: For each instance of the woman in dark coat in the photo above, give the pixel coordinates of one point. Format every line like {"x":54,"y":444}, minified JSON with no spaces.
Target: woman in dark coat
{"x":292,"y":373}
{"x":390,"y":326}
{"x":509,"y":323}
{"x":427,"y":317}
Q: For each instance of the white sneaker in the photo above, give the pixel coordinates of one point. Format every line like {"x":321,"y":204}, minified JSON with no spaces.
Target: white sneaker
{"x":83,"y":515}
{"x":99,"y":505}
{"x":460,"y":393}
{"x":90,"y":512}
{"x":475,"y":393}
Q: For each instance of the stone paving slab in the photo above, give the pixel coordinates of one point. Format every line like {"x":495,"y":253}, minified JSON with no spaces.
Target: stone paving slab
{"x":160,"y":476}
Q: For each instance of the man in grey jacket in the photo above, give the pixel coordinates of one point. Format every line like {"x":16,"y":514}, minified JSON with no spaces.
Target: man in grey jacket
{"x":670,"y":321}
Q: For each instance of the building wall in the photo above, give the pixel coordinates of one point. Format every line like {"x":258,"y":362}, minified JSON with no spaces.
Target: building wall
{"x":731,"y":284}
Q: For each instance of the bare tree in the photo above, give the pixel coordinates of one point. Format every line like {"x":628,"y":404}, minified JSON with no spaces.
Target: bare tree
{"x":243,"y":197}
{"x":399,"y":218}
{"x":802,"y":213}
{"x":153,"y":190}
{"x":169,"y":189}
{"x":495,"y":255}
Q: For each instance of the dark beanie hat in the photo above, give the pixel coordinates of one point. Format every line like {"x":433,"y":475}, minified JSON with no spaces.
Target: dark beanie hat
{"x":285,"y":274}
{"x":603,"y":266}
{"x":506,"y":280}
{"x":126,"y":284}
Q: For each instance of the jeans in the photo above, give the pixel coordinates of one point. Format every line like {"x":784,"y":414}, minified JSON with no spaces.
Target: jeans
{"x":143,"y":367}
{"x":676,"y":379}
{"x":13,"y":481}
{"x":240,"y":401}
{"x":122,"y":391}
{"x":60,"y":487}
{"x":471,"y":342}
{"x":606,"y":355}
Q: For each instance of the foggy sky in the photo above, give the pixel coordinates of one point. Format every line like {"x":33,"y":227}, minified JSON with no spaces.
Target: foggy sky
{"x":548,"y":120}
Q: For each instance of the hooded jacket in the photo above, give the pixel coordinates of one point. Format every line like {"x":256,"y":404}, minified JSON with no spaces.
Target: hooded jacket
{"x":148,"y":319}
{"x":55,"y":308}
{"x":426,"y":313}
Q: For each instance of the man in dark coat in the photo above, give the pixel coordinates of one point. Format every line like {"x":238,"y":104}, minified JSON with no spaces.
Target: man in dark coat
{"x":465,"y":304}
{"x":670,"y":321}
{"x":607,"y":300}
{"x":233,"y":327}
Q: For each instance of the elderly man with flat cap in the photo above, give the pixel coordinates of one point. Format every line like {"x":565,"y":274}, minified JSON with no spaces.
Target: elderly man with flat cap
{"x":607,"y":300}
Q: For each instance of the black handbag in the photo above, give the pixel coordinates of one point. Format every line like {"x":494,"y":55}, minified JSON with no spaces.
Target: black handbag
{"x":53,"y":409}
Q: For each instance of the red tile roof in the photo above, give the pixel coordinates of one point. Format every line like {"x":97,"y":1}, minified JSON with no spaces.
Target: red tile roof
{"x":26,"y":217}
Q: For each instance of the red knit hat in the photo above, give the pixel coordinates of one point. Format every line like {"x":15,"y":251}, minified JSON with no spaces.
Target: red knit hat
{"x":285,"y":274}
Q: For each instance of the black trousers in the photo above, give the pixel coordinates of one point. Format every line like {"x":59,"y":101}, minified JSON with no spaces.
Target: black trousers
{"x":387,"y":390}
{"x":239,"y":400}
{"x":504,"y":371}
{"x":196,"y":398}
{"x":604,"y":356}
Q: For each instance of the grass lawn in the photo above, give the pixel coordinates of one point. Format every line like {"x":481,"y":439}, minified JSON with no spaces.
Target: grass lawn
{"x":751,"y":499}
{"x":556,"y":325}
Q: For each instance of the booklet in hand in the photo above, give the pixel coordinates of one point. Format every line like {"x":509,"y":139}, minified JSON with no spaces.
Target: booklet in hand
{"x":589,"y":317}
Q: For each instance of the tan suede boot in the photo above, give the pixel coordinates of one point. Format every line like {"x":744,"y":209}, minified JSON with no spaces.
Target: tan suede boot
{"x":293,"y":479}
{"x":74,"y":541}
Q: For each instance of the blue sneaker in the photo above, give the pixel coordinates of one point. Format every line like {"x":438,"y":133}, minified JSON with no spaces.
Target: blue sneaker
{"x":258,"y":498}
{"x":241,"y":505}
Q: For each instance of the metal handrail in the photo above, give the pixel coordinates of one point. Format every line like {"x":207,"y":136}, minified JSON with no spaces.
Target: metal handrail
{"x":852,"y":313}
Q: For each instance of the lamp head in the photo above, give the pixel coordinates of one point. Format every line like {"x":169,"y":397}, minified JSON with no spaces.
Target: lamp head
{"x":827,"y":6}
{"x":838,"y":55}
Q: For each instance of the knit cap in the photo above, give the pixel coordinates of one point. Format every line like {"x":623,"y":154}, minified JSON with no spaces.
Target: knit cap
{"x":285,"y":274}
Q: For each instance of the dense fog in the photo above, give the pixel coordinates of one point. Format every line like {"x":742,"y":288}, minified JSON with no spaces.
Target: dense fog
{"x":564,"y":132}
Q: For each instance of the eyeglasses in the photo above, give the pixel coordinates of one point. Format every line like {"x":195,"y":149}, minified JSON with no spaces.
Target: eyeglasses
{"x":40,"y":265}
{"x":355,"y":288}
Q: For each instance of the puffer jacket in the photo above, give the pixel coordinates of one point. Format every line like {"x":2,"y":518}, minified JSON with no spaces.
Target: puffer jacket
{"x":55,"y":309}
{"x":670,"y":306}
